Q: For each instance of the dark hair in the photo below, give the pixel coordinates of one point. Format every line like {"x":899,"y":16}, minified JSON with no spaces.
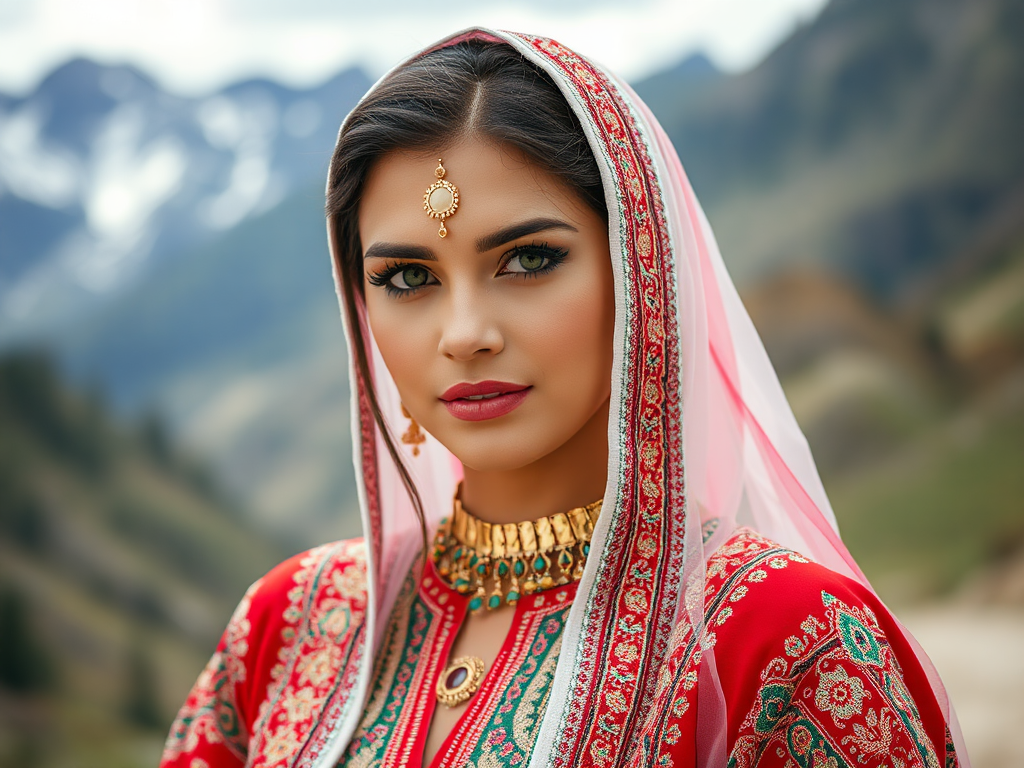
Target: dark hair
{"x":473,"y":88}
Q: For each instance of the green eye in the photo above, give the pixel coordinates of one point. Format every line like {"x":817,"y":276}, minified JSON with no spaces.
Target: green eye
{"x":531,"y":261}
{"x":528,"y":260}
{"x":410,"y":277}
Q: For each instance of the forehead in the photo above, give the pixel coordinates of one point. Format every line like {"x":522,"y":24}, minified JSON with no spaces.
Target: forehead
{"x":497,"y":185}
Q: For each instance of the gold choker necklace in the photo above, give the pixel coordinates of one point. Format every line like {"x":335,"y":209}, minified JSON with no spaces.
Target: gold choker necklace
{"x":472,"y":555}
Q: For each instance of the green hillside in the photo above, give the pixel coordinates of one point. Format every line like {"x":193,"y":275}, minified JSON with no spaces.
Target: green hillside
{"x":916,"y":421}
{"x":120,"y":564}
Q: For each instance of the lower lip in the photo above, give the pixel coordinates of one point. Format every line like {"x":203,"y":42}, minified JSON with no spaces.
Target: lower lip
{"x":482,"y":410}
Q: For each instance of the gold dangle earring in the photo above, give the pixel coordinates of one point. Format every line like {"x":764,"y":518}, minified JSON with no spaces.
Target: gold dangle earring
{"x":413,"y":435}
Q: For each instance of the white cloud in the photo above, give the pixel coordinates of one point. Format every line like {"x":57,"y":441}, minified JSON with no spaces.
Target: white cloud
{"x":195,"y":46}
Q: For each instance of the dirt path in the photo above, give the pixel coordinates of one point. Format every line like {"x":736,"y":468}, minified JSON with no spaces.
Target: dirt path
{"x":980,"y":654}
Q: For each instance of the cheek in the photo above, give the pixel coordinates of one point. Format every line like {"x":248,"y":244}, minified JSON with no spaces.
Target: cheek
{"x":404,"y":344}
{"x":570,"y":335}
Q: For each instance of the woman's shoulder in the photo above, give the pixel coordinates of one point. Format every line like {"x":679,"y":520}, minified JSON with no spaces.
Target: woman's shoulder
{"x":775,"y":578}
{"x":311,"y":601}
{"x":808,"y":656}
{"x":320,"y":579}
{"x":338,"y":566}
{"x":769,"y":607}
{"x":812,"y":667}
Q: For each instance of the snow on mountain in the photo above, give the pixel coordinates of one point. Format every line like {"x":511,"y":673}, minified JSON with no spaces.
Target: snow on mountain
{"x":104,"y":176}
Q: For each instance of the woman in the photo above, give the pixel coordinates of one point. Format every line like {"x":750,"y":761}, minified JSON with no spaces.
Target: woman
{"x":640,"y":566}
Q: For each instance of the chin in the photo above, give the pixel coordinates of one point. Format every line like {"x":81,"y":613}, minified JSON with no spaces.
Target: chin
{"x":490,"y":453}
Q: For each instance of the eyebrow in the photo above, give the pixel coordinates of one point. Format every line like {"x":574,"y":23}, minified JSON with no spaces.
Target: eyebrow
{"x":398,"y":251}
{"x":514,"y":232}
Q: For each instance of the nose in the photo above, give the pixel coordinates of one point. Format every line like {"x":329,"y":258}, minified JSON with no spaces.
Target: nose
{"x":469,"y":330}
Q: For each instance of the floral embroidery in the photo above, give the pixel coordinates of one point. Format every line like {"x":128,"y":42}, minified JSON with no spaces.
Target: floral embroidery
{"x":310,"y":622}
{"x":838,"y":693}
{"x":838,"y":664}
{"x":833,"y":695}
{"x":774,"y":703}
{"x":809,"y":747}
{"x":318,"y":668}
{"x":874,"y":735}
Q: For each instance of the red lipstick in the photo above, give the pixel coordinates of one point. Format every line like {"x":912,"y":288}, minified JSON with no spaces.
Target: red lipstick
{"x":484,"y":400}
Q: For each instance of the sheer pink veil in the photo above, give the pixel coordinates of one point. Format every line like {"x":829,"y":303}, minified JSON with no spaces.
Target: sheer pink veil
{"x":729,"y":451}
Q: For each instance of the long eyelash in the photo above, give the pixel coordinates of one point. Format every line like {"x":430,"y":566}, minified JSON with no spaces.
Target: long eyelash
{"x":555,"y":257}
{"x":382,"y":279}
{"x":383,"y":275}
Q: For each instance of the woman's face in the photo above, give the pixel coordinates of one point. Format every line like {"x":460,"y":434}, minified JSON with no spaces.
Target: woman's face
{"x":498,"y":336}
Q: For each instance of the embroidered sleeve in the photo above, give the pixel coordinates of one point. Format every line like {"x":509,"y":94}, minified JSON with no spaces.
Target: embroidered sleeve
{"x":836,"y":697}
{"x":274,"y":669}
{"x":814,"y":671}
{"x":222,"y":714}
{"x":210,"y":728}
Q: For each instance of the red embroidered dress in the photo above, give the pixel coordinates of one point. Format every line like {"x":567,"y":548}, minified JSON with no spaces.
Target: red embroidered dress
{"x":816,"y":675}
{"x":691,"y":640}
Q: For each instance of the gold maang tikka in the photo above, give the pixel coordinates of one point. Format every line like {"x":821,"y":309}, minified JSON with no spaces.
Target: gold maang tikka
{"x":441,"y":199}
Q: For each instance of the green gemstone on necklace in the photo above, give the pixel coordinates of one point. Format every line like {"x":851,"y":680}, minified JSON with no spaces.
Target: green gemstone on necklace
{"x":538,"y":563}
{"x":564,"y":559}
{"x":502,"y":568}
{"x":473,"y":561}
{"x":481,"y":568}
{"x":493,"y":601}
{"x":586,"y":549}
{"x":475,"y":603}
{"x":519,"y":568}
{"x":512,"y":597}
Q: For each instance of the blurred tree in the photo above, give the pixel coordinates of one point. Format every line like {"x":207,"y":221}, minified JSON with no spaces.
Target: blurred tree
{"x":24,"y":666}
{"x":22,"y":519}
{"x":141,"y":706}
{"x":155,"y":438}
{"x":31,"y":395}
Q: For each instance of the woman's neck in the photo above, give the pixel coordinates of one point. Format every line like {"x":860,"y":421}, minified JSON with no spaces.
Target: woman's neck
{"x":571,"y":476}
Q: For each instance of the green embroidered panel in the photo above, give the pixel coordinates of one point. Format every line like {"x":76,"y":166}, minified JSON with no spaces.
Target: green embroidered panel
{"x":406,"y":673}
{"x":512,"y":730}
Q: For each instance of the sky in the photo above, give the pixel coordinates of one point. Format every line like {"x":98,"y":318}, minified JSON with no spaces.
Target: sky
{"x":197,"y":46}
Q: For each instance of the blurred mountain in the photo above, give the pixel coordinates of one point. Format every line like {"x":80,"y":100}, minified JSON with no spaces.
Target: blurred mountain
{"x":156,"y":241}
{"x":105,"y":178}
{"x":120,"y":564}
{"x":243,"y":345}
{"x":879,"y":141}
